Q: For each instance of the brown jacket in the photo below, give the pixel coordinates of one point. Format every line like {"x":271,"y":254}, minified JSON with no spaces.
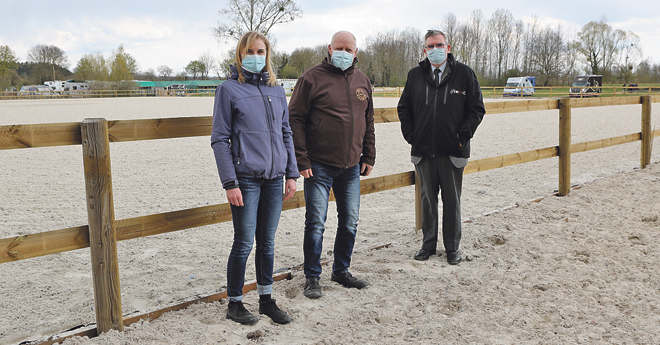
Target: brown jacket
{"x":331,"y":114}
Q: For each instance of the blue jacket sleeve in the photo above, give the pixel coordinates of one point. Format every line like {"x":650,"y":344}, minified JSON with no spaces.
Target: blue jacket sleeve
{"x":287,"y":134}
{"x":221,"y":140}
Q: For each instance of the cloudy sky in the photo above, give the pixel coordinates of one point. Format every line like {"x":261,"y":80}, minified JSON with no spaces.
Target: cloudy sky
{"x":173,"y":33}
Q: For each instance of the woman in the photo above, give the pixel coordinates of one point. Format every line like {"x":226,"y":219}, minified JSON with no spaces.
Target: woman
{"x":253,"y":149}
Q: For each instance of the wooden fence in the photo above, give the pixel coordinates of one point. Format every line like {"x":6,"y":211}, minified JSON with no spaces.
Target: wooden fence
{"x":488,"y":91}
{"x":103,"y":231}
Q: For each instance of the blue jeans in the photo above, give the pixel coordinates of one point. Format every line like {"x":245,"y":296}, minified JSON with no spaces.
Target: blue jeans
{"x":258,"y":218}
{"x":345,"y":184}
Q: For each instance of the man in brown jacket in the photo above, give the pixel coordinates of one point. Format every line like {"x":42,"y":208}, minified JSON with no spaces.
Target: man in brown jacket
{"x":331,"y":114}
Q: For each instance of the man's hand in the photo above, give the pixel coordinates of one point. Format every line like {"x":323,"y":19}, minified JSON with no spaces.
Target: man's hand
{"x":307,"y":173}
{"x":365,"y":169}
{"x":235,"y":197}
{"x":289,"y":189}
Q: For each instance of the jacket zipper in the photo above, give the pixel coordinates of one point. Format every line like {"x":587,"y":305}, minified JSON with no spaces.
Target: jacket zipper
{"x":270,"y":125}
{"x":350,"y":113}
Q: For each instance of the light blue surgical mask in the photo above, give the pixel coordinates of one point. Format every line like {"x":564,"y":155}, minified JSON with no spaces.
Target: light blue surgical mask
{"x":342,"y":59}
{"x":254,"y":63}
{"x":436,"y":56}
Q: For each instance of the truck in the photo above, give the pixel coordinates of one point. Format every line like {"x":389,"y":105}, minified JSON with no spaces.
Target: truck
{"x":586,"y":86}
{"x":519,"y":86}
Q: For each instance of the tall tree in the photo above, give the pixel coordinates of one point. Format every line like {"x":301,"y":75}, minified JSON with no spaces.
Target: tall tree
{"x":630,"y":52}
{"x":501,"y":28}
{"x":92,"y":67}
{"x":598,"y":43}
{"x":122,"y":68}
{"x":254,"y":15}
{"x":50,"y":56}
{"x":8,"y":60}
{"x":195,"y":68}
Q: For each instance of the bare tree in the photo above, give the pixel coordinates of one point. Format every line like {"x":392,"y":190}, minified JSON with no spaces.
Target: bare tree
{"x":254,"y":15}
{"x":501,"y":27}
{"x":302,"y":59}
{"x":630,"y":52}
{"x":164,"y":72}
{"x":598,"y":45}
{"x":392,"y":54}
{"x":48,"y":55}
{"x":208,"y":61}
{"x":546,"y":51}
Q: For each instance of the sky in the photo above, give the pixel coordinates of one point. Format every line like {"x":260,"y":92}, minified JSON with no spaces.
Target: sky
{"x":173,"y":33}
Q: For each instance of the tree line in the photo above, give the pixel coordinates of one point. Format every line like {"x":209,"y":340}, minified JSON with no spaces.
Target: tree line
{"x":496,"y":48}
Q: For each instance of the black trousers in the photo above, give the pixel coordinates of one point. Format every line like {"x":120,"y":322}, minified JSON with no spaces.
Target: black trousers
{"x":440,"y":175}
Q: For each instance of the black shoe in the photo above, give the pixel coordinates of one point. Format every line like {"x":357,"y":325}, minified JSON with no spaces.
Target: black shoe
{"x":270,"y":309}
{"x":349,"y":281}
{"x":423,"y":254}
{"x":312,"y":288}
{"x":453,"y":258}
{"x":237,"y":312}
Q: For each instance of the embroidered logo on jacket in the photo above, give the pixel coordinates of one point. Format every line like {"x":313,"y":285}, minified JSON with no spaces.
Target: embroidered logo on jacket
{"x":453,"y":91}
{"x":361,"y":94}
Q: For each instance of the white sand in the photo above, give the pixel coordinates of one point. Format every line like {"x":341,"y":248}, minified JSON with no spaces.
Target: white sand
{"x":578,"y":269}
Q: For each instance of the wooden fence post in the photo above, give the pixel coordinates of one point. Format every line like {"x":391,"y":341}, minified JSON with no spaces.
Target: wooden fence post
{"x":564,"y":146}
{"x":646,"y":132}
{"x":101,"y":218}
{"x":418,"y":202}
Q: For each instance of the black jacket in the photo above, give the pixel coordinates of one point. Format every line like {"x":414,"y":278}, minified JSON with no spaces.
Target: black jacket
{"x":438,"y":121}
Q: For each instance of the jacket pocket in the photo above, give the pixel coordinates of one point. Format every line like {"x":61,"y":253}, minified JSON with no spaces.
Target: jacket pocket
{"x":254,"y":154}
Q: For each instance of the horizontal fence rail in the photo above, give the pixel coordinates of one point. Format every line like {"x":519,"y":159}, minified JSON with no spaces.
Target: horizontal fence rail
{"x":92,"y":133}
{"x":487,"y":91}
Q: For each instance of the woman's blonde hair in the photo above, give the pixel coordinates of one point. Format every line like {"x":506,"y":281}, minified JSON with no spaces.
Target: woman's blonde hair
{"x":241,"y":50}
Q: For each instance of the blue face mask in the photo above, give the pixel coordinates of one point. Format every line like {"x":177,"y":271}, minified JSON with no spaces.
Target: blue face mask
{"x":436,"y":56}
{"x":342,"y":59}
{"x":254,"y":63}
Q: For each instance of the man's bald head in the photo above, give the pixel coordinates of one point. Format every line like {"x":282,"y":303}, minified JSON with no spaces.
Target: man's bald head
{"x":343,"y":40}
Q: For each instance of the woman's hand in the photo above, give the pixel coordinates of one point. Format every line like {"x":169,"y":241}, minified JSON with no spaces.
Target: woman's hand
{"x":289,"y":189}
{"x":235,"y":197}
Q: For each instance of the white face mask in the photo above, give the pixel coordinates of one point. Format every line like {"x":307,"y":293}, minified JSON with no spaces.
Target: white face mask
{"x":342,"y":59}
{"x":436,"y":56}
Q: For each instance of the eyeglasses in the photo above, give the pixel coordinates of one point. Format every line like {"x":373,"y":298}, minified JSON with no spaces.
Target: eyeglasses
{"x":439,"y":45}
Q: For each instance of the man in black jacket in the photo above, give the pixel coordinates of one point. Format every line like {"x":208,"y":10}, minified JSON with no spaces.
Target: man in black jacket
{"x":440,"y":109}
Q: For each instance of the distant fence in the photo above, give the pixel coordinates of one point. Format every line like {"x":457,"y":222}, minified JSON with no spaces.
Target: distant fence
{"x":103,"y":231}
{"x":539,"y":92}
{"x":8,"y":95}
{"x":487,"y":91}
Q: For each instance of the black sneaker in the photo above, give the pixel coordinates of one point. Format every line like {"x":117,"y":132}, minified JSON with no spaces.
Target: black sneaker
{"x":349,"y":281}
{"x":270,"y":309}
{"x":312,"y":288}
{"x":237,"y":312}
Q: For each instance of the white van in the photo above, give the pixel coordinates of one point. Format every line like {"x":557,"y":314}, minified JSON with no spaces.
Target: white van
{"x":516,"y":85}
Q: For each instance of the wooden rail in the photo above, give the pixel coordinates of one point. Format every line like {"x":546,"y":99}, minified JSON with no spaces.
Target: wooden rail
{"x":104,"y":231}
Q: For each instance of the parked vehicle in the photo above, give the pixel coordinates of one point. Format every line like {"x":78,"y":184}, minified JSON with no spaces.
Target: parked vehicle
{"x":517,"y":86}
{"x":586,"y":86}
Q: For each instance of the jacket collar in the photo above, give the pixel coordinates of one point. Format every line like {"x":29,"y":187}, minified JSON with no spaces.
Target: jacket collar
{"x":426,"y":66}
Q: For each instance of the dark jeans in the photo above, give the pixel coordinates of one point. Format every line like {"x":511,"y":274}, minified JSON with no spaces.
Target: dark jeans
{"x":438,"y":174}
{"x":345,"y":184}
{"x":258,"y":218}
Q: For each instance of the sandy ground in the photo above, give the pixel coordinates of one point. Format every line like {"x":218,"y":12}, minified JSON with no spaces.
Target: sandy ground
{"x":577,"y":269}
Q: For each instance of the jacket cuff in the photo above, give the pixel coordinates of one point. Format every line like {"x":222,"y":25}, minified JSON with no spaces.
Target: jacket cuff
{"x":230,"y":184}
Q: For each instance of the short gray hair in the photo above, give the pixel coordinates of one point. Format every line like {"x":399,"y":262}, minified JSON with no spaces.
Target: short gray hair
{"x":431,"y":33}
